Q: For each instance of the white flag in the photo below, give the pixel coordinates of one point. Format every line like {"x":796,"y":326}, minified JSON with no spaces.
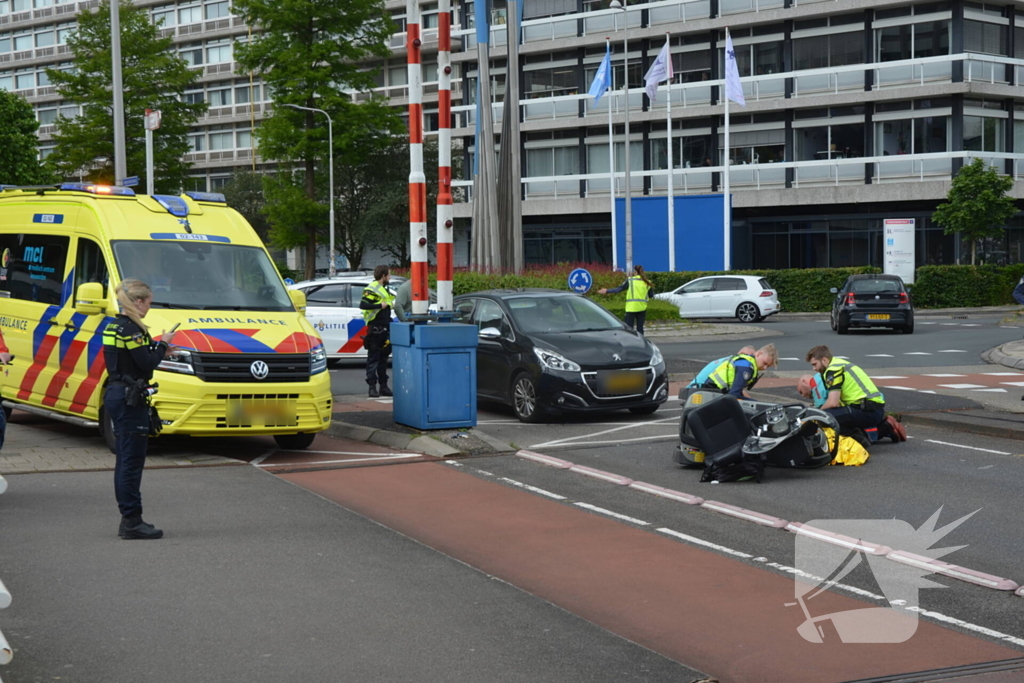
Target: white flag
{"x":660,"y":71}
{"x":733,"y":89}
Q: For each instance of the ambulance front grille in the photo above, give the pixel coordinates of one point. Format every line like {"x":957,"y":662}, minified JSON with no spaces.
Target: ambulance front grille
{"x":238,"y":367}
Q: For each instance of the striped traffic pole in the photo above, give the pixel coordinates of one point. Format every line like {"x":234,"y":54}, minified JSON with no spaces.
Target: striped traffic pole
{"x":417,"y":180}
{"x":444,"y":156}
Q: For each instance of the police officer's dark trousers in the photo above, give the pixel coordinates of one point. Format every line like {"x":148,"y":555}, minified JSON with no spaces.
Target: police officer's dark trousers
{"x":378,"y":350}
{"x":131,"y":427}
{"x":852,"y":417}
{"x":635,"y":319}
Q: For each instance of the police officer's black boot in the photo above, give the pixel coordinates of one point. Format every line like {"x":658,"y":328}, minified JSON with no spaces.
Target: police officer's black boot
{"x":385,"y":390}
{"x":373,"y":391}
{"x":133,"y":528}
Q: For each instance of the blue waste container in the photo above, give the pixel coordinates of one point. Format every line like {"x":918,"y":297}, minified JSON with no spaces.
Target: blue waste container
{"x":434,"y":368}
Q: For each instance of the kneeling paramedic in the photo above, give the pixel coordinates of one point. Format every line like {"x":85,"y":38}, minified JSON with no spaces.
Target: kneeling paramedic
{"x":131,"y":357}
{"x":376,"y":307}
{"x":853,"y":399}
{"x":741,"y":372}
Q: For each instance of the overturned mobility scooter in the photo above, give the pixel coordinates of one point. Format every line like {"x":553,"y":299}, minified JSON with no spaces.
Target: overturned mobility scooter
{"x":735,"y":439}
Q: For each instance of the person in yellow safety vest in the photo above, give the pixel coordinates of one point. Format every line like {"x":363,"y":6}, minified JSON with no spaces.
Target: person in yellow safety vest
{"x":740,"y":372}
{"x":853,"y":399}
{"x":376,"y":306}
{"x":701,"y":377}
{"x":638,"y":291}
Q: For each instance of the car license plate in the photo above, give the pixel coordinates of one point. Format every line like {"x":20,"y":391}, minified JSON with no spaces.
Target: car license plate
{"x":878,"y":316}
{"x":267,"y":414}
{"x":624,"y":383}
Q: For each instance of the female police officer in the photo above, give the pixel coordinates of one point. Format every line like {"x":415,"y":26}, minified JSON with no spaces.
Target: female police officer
{"x":131,"y":357}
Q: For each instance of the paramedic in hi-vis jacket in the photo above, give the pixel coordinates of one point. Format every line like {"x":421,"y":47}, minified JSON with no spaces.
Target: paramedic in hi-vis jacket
{"x":853,"y":399}
{"x":376,"y":306}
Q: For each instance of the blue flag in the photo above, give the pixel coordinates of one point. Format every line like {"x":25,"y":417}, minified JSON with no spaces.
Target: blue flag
{"x":603,"y":77}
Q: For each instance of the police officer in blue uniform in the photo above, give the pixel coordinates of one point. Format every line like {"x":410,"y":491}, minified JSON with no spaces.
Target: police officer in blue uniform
{"x":131,"y":356}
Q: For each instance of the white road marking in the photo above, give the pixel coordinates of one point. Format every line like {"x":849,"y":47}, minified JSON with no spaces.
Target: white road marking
{"x":706,"y":544}
{"x":941,"y":375}
{"x":796,"y":359}
{"x":992,"y":391}
{"x":889,"y":377}
{"x":384,"y":400}
{"x":534,"y":489}
{"x":257,"y":461}
{"x":616,"y":515}
{"x":962,"y":386}
{"x":938,"y":616}
{"x":1002,"y":374}
{"x":925,"y":391}
{"x":879,"y":355}
{"x":949,"y":323}
{"x":952,"y":351}
{"x":970,"y":448}
{"x":1013,"y":384}
{"x":335,"y":462}
{"x":917,"y":353}
{"x":899,"y":387}
{"x":673,"y":435}
{"x":607,"y":431}
{"x":355,"y":452}
{"x":970,"y":324}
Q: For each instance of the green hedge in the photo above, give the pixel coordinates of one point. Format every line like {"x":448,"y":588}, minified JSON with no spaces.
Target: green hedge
{"x":799,"y":289}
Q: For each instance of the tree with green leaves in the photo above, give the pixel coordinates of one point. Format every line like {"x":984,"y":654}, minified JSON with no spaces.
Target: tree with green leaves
{"x":977,"y":205}
{"x":154,"y":77}
{"x":19,"y":156}
{"x":311,"y":54}
{"x":244,"y":194}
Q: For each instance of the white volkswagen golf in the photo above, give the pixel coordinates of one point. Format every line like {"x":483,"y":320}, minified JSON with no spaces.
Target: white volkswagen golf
{"x":748,"y":298}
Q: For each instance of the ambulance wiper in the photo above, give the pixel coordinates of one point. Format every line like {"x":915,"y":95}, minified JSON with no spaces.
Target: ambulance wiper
{"x":169,"y":305}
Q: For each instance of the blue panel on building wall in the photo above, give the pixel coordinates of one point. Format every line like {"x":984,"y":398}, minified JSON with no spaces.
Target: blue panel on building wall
{"x":449,"y":401}
{"x":698,"y":232}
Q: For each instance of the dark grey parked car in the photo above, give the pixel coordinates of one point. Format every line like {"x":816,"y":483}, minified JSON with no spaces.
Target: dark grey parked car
{"x":872,"y":301}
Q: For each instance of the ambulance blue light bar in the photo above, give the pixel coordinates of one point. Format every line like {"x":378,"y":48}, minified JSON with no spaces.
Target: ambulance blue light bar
{"x":175,"y":205}
{"x":207,"y":197}
{"x":91,"y":188}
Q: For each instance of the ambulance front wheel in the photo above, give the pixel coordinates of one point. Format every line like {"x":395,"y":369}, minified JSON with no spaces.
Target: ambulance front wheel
{"x":107,"y":430}
{"x":294,"y":442}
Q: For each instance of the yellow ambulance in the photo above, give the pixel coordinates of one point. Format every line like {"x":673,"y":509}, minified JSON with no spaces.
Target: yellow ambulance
{"x":250,"y":361}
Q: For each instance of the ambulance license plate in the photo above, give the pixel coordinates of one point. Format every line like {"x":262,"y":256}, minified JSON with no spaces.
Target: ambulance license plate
{"x":265,"y":413}
{"x":878,"y":316}
{"x":624,"y":383}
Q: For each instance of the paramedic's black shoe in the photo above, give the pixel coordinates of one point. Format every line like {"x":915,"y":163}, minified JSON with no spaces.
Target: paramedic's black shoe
{"x":133,"y":528}
{"x":385,"y":390}
{"x":373,"y":391}
{"x":860,"y":437}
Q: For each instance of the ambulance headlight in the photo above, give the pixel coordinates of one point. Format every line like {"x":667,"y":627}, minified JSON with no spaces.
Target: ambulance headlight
{"x":178,"y":361}
{"x":317,"y":361}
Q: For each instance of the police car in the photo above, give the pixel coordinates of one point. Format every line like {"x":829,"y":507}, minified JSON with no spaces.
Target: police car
{"x":332,"y":307}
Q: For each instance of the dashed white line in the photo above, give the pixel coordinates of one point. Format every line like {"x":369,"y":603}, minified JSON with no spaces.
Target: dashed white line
{"x":991,"y":391}
{"x":879,"y":355}
{"x":616,"y":515}
{"x":970,"y":448}
{"x":943,"y":375}
{"x":1002,"y":374}
{"x":706,"y":544}
{"x":1013,"y":384}
{"x":952,"y":351}
{"x":899,"y":387}
{"x":533,"y":489}
{"x":917,"y":353}
{"x":888,"y":377}
{"x":962,"y":386}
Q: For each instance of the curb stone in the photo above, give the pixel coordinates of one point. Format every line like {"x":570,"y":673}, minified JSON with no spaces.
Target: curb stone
{"x":422,"y":443}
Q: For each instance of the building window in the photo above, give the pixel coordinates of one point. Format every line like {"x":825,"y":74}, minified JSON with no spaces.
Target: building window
{"x":164,"y":16}
{"x":190,"y":15}
{"x":552,"y":161}
{"x":222,"y":140}
{"x":243,"y":139}
{"x":984,"y":134}
{"x":197,"y":142}
{"x":550,"y":82}
{"x":192,"y":54}
{"x":193,"y":96}
{"x":217,"y":10}
{"x":47,"y":116}
{"x":242,"y":94}
{"x":45,"y":38}
{"x":219,"y":54}
{"x":22,"y":41}
{"x":220,"y":98}
{"x":985,"y":38}
{"x":927,"y":39}
{"x":692,"y":67}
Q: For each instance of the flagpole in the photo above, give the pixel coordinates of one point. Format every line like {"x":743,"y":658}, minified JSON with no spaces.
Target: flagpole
{"x":726,"y":204}
{"x":671,"y":169}
{"x":611,"y":159}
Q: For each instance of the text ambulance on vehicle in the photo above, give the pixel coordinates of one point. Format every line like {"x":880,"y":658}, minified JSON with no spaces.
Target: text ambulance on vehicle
{"x":250,"y":362}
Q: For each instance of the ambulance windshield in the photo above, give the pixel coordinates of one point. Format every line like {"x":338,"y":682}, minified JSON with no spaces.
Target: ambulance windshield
{"x":204,"y":275}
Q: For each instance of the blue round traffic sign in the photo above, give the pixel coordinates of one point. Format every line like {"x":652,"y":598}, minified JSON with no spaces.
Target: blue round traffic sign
{"x":580,"y":280}
{"x":289,"y":281}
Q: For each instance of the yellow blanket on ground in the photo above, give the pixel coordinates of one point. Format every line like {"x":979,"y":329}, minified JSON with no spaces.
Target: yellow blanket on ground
{"x":850,"y":452}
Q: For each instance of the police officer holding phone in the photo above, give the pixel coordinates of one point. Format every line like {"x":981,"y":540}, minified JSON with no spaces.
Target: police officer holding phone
{"x":132,"y":356}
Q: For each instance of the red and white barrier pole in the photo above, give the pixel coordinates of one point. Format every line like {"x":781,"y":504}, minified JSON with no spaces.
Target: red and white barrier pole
{"x":444,"y":156}
{"x":417,"y":179}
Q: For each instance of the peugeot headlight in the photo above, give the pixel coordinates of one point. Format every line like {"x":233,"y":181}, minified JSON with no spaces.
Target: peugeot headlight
{"x":178,"y":361}
{"x":656,"y":357}
{"x":317,"y":360}
{"x":555,"y":361}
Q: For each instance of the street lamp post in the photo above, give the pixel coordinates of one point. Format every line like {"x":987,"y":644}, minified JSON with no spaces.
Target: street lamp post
{"x":331,"y":270}
{"x":616,"y":4}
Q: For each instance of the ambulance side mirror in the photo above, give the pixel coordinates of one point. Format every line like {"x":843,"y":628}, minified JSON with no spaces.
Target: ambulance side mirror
{"x":298,"y":298}
{"x":89,"y":299}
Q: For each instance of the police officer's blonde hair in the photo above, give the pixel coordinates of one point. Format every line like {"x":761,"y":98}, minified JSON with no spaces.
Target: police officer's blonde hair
{"x":771,"y":353}
{"x":129,"y":293}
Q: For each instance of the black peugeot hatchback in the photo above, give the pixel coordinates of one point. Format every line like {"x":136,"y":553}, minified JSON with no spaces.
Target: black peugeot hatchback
{"x":543,"y":351}
{"x":872,"y":301}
